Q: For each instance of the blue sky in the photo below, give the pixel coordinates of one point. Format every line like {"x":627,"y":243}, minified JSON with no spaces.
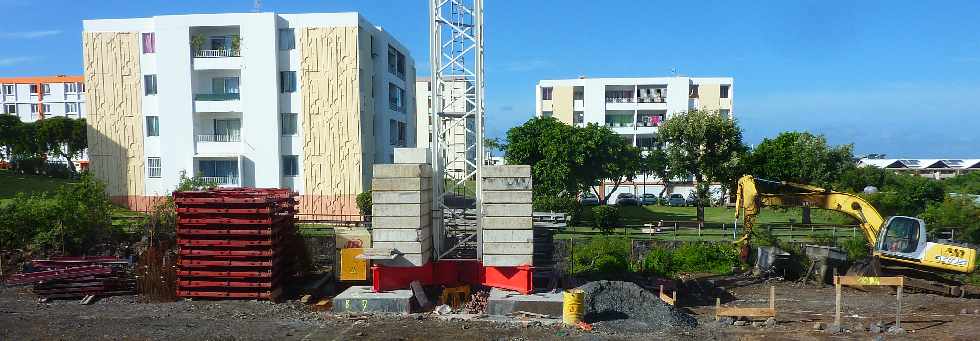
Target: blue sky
{"x":894,"y":77}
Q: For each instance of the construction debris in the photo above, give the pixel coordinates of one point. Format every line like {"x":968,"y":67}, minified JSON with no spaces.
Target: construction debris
{"x":77,"y":277}
{"x":627,"y":307}
{"x":232,"y":242}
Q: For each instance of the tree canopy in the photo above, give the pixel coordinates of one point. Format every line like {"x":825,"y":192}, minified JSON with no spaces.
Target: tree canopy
{"x":800,"y":157}
{"x":55,"y":136}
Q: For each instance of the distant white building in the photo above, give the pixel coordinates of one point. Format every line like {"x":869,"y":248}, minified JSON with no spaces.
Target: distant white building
{"x":36,"y":98}
{"x":930,"y":168}
{"x":459,"y":131}
{"x":634,"y":109}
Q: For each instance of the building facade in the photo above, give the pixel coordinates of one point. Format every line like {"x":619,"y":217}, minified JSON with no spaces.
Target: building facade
{"x":634,"y":109}
{"x":459,"y":131}
{"x":930,"y":168}
{"x":34,"y":98}
{"x":302,"y":101}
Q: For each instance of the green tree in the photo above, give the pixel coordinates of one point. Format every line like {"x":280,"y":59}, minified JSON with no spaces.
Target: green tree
{"x":492,"y":144}
{"x":542,"y":143}
{"x":655,"y":162}
{"x":800,"y":157}
{"x":62,"y":136}
{"x":10,"y":134}
{"x":600,"y":154}
{"x":968,"y":183}
{"x":955,"y":211}
{"x":703,"y":145}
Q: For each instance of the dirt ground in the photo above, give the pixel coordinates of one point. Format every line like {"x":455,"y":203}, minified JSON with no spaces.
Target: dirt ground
{"x":22,"y":318}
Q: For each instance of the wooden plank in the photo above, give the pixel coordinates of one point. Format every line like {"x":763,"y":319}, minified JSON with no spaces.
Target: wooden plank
{"x":668,"y":299}
{"x":745,"y":312}
{"x":870,"y":281}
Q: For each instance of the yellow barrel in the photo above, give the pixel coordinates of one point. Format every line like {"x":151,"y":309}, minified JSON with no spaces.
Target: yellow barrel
{"x":572,"y":309}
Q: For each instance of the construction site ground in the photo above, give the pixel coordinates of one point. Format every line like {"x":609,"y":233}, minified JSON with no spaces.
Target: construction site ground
{"x":925,"y":316}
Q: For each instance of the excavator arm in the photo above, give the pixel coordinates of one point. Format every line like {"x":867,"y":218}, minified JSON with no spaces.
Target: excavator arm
{"x":753,"y":194}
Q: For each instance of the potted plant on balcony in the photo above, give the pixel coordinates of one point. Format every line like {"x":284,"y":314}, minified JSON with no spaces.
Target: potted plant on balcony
{"x":197,"y":42}
{"x":236,"y":44}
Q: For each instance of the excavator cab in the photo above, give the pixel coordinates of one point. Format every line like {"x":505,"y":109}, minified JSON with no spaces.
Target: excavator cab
{"x":903,"y":237}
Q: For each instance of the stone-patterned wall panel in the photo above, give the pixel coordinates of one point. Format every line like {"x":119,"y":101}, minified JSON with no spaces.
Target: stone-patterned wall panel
{"x":332,"y":150}
{"x":115,"y":120}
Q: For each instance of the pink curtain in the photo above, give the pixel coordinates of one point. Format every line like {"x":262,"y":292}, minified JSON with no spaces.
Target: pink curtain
{"x":149,"y":45}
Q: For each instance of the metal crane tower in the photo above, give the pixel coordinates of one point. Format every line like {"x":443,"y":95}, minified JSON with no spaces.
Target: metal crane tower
{"x":456,"y":58}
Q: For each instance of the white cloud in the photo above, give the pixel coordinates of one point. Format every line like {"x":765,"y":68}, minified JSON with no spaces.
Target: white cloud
{"x":11,"y":61}
{"x":31,"y":34}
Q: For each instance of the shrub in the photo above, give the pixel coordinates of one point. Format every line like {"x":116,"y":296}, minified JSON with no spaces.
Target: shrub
{"x":659,"y":262}
{"x":857,"y":248}
{"x":605,"y":218}
{"x":602,"y":257}
{"x":559,"y":203}
{"x":364,"y":203}
{"x":706,"y":257}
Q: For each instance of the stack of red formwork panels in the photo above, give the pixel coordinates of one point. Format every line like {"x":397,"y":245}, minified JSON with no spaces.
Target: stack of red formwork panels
{"x":231,"y":242}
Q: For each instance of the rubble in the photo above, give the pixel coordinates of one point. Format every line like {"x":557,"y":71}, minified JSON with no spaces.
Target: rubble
{"x":627,"y":307}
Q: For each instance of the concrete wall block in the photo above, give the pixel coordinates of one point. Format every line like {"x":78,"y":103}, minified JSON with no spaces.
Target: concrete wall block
{"x":506,"y":184}
{"x":400,"y":184}
{"x":507,"y":236}
{"x":507,"y":223}
{"x":507,"y":197}
{"x":407,"y":260}
{"x":413,"y":155}
{"x":400,"y":210}
{"x":402,"y":170}
{"x":414,"y":222}
{"x":506,"y":171}
{"x":406,"y":247}
{"x":506,"y":210}
{"x":508,"y":260}
{"x":401,"y":197}
{"x":496,"y":248}
{"x":400,"y":235}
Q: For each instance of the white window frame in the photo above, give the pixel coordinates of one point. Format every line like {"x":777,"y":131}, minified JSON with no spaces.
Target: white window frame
{"x":147,"y":123}
{"x":9,"y":89}
{"x":6,"y":109}
{"x":46,"y":88}
{"x":288,"y":120}
{"x":71,"y":88}
{"x":146,"y":88}
{"x":292,"y":165}
{"x":71,"y":105}
{"x":150,"y":168}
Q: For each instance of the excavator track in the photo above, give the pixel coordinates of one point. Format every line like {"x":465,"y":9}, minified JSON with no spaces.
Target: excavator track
{"x":916,"y":280}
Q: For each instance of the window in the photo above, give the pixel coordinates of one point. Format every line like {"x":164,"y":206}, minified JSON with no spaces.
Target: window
{"x":229,"y":129}
{"x":150,"y":85}
{"x":393,"y":132}
{"x":724,"y":91}
{"x":46,"y":88}
{"x":8,"y":89}
{"x":34,"y":108}
{"x":396,"y":98}
{"x":290,"y":165}
{"x":396,"y":62}
{"x":546,"y":113}
{"x":224,"y":85}
{"x":149,"y":43}
{"x":71,"y":88}
{"x":33,"y":90}
{"x":47,"y":108}
{"x":153,"y":167}
{"x":693,"y":91}
{"x":10,"y":109}
{"x":287,"y":123}
{"x":373,"y":53}
{"x":152,"y":126}
{"x":546,"y":94}
{"x":287,"y":81}
{"x":287,"y":40}
{"x":401,"y":134}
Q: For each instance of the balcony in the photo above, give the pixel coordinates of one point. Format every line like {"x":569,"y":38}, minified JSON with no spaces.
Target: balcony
{"x":216,"y":48}
{"x":227,"y":102}
{"x":219,"y":138}
{"x":220,"y":53}
{"x":228,"y":181}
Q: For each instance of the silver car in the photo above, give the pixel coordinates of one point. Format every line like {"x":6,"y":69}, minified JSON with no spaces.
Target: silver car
{"x":589,"y":199}
{"x":676,"y":200}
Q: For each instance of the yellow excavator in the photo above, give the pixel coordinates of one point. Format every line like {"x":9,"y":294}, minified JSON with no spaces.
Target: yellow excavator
{"x":899,"y":242}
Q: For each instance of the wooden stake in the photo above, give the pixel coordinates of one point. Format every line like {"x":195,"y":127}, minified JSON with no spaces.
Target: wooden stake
{"x":898,"y":314}
{"x":772,"y":298}
{"x":838,"y":300}
{"x":717,"y":307}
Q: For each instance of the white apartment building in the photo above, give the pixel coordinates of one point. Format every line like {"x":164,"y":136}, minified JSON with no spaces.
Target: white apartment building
{"x":633,"y":108}
{"x":34,"y":98}
{"x":460,"y":132}
{"x":302,"y":101}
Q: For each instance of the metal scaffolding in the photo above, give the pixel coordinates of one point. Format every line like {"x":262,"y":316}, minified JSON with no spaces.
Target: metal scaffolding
{"x":456,"y":57}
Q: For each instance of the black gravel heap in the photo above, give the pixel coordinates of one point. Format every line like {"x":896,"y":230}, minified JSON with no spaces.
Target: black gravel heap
{"x":626,"y":307}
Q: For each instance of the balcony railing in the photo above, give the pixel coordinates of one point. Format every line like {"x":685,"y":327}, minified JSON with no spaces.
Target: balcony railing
{"x":620,"y":99}
{"x":221,"y":180}
{"x":217,"y":53}
{"x":653,"y":99}
{"x":219,"y":138}
{"x":217,"y":97}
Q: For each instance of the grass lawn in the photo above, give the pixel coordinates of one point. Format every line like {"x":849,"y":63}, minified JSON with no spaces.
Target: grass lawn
{"x":12,"y":183}
{"x":718,"y":223}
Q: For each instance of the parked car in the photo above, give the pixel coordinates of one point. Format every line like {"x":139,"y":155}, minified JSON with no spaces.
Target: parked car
{"x":627,"y":199}
{"x":691,"y":200}
{"x":648,"y":199}
{"x":676,"y":200}
{"x":588,"y":199}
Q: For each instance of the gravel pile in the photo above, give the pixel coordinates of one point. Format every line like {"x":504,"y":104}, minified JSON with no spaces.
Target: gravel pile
{"x":626,"y":307}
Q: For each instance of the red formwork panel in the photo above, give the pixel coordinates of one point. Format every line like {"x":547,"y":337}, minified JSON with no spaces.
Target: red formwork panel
{"x":266,"y":294}
{"x":197,"y":263}
{"x":226,"y":274}
{"x":227,"y":253}
{"x":184,"y":284}
{"x":224,"y":243}
{"x":41,"y":276}
{"x":224,"y":232}
{"x":451,"y":273}
{"x":225,"y":210}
